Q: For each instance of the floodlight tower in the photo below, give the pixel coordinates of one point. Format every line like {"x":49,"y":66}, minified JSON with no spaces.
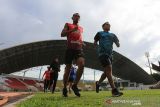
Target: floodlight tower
{"x":147,"y":56}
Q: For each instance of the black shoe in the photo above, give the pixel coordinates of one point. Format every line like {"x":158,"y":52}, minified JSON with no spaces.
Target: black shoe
{"x":76,"y":90}
{"x":116,"y":93}
{"x":65,"y":92}
{"x":97,"y":87}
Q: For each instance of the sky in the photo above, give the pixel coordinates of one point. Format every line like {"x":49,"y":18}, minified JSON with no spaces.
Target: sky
{"x":135,"y":22}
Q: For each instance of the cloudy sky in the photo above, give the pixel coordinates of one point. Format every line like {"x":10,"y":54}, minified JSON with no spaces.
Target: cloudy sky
{"x":135,"y":22}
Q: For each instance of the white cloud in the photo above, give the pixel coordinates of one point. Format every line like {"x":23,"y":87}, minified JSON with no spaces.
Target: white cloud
{"x":155,"y":50}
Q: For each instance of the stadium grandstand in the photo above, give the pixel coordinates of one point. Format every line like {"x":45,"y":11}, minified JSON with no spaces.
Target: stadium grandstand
{"x":18,"y":83}
{"x":30,"y":55}
{"x":35,"y":54}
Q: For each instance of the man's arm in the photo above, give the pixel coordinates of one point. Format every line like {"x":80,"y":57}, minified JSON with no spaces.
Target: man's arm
{"x":59,"y":68}
{"x":44,"y":74}
{"x":117,"y":44}
{"x":66,"y":30}
{"x":116,"y":41}
{"x":96,"y":39}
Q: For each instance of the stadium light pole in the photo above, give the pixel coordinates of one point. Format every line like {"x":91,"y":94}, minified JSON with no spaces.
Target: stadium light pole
{"x":40,"y":73}
{"x":24,"y":73}
{"x":94,"y":75}
{"x":147,"y":56}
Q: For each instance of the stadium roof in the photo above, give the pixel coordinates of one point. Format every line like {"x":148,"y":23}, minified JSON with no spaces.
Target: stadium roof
{"x":41,"y":53}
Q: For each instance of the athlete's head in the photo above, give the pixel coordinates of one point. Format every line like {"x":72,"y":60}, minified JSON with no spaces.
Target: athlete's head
{"x":56,"y":59}
{"x":75,"y":17}
{"x":106,"y":26}
{"x":48,"y":67}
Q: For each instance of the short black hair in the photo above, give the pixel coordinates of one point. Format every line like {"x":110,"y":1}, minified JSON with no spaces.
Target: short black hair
{"x":106,"y":23}
{"x":76,"y":14}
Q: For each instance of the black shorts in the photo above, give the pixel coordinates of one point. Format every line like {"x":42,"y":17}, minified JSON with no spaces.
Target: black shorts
{"x":54,"y":77}
{"x":72,"y":54}
{"x":105,"y":60}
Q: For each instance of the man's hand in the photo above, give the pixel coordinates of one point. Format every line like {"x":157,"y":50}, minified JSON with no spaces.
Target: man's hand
{"x":84,"y":45}
{"x":66,"y":30}
{"x":95,"y":43}
{"x":117,"y":44}
{"x":75,"y":29}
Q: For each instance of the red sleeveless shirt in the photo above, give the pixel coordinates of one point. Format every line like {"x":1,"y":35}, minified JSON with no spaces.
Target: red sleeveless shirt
{"x":74,"y":39}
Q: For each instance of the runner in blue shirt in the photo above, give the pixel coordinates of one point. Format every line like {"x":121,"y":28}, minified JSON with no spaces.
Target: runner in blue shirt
{"x":105,"y":48}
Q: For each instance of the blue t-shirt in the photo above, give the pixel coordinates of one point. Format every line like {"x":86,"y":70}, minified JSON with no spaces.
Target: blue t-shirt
{"x":106,"y":40}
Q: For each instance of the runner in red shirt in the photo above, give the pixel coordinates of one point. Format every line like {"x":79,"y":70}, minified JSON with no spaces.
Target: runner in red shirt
{"x":46,"y":77}
{"x":74,"y":51}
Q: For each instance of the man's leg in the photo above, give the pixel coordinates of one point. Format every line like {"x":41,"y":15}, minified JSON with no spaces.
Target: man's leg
{"x":66,"y":74}
{"x":54,"y":82}
{"x":44,"y":85}
{"x":115,"y":92}
{"x":50,"y":84}
{"x":54,"y":86}
{"x":65,"y":79}
{"x":80,"y":62}
{"x":108,"y":72}
{"x":68,"y":61}
{"x":102,"y":78}
{"x":70,"y":85}
{"x":47,"y":85}
{"x":104,"y":60}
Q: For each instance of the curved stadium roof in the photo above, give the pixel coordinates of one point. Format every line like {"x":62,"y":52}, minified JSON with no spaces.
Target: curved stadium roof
{"x":41,"y":53}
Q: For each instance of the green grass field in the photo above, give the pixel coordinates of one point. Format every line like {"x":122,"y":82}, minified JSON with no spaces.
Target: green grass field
{"x":131,"y":98}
